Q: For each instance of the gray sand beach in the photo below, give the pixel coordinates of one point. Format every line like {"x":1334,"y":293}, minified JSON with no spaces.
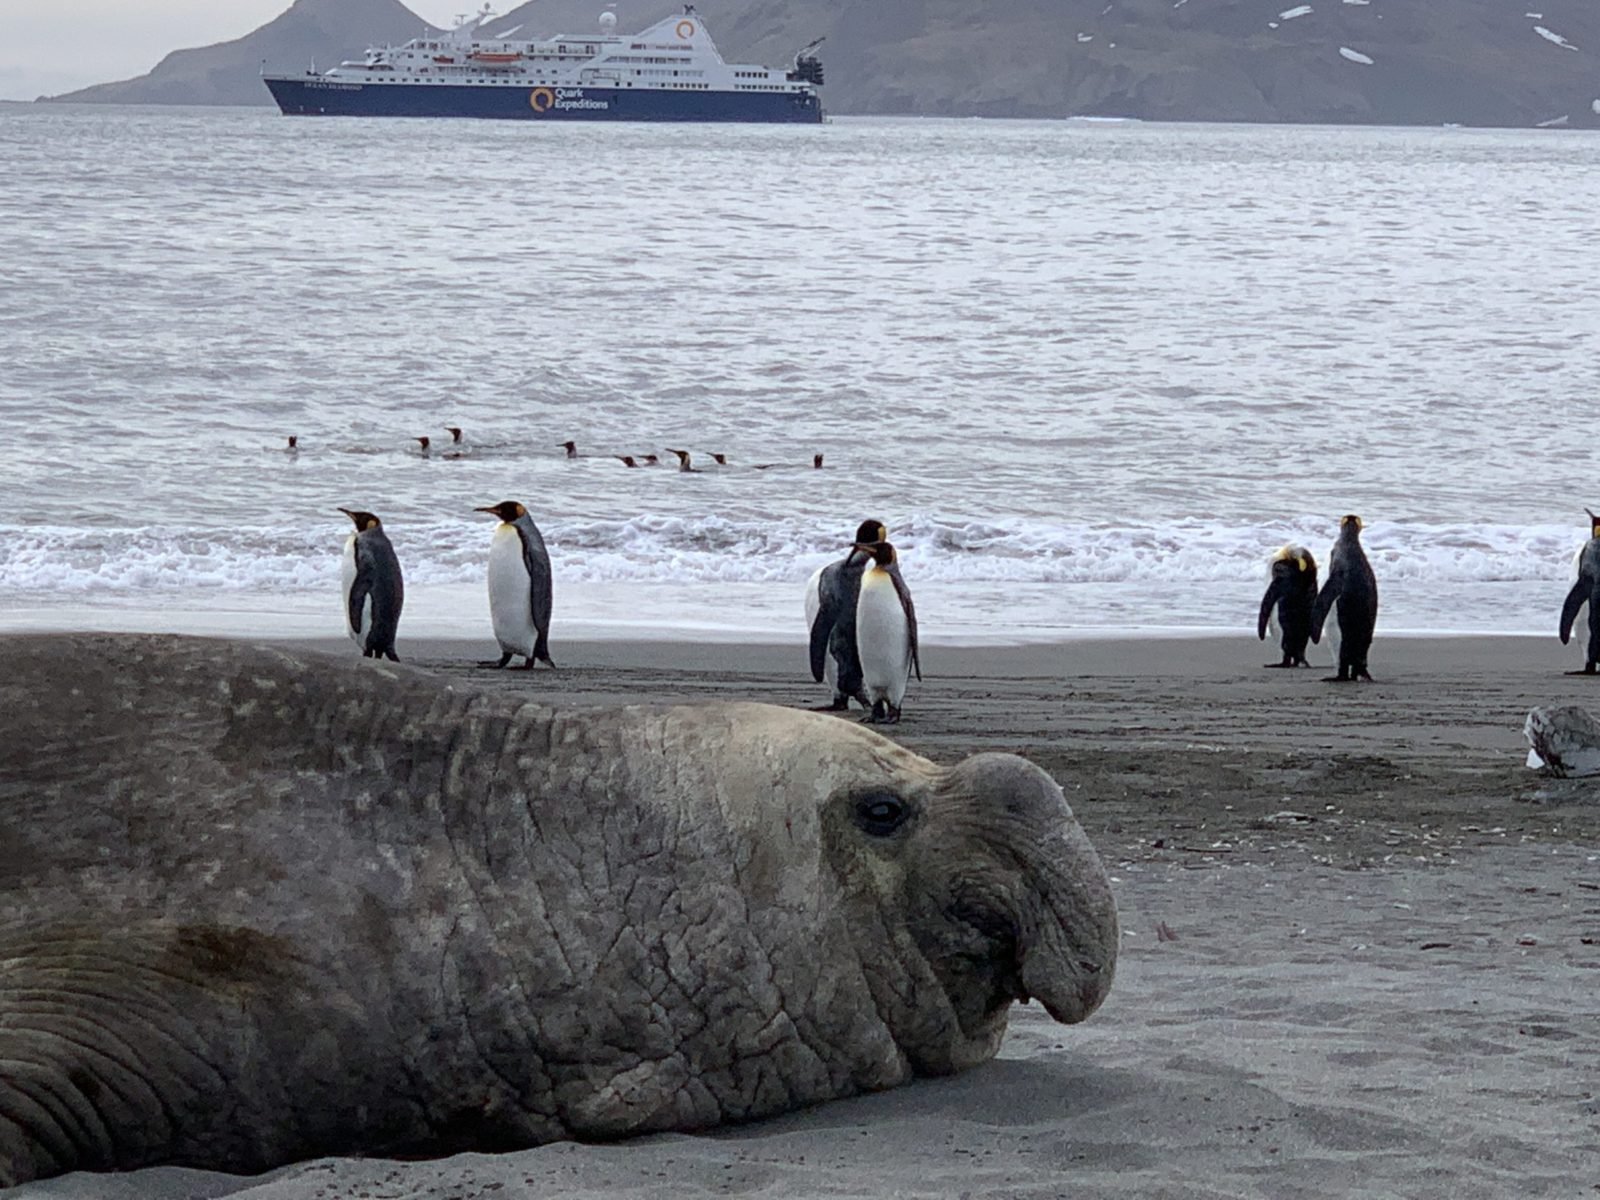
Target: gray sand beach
{"x":1361,"y":941}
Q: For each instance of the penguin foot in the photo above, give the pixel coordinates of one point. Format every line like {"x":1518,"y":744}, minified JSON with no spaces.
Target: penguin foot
{"x":1589,"y":670}
{"x":893,"y":717}
{"x":495,"y":666}
{"x":1337,"y":679}
{"x":546,"y":661}
{"x":878,"y":714}
{"x":1276,"y":666}
{"x":527,"y":664}
{"x":837,"y":704}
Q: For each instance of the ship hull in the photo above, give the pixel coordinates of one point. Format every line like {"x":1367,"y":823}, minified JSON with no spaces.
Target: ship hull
{"x":315,"y":96}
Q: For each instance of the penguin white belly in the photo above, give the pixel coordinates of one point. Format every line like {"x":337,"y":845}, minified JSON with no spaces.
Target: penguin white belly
{"x":883,"y":642}
{"x":830,"y":669}
{"x":510,"y":593}
{"x":358,"y":633}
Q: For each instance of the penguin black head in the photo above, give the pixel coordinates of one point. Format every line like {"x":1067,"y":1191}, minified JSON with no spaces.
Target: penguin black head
{"x":507,"y":510}
{"x":626,"y":460}
{"x":648,"y":458}
{"x":682,"y":454}
{"x":869,"y":532}
{"x":364,"y":520}
{"x":1594,"y":521}
{"x":816,"y":461}
{"x":455,"y":434}
{"x":1351,"y":522}
{"x":571,"y":448}
{"x":294,"y":442}
{"x":423,"y":442}
{"x":720,"y":459}
{"x":882,"y":552}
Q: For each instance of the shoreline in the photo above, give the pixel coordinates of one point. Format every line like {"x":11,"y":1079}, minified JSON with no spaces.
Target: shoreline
{"x":1359,"y":938}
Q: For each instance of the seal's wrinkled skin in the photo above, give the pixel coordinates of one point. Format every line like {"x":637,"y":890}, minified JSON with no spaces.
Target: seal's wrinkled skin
{"x":257,"y":906}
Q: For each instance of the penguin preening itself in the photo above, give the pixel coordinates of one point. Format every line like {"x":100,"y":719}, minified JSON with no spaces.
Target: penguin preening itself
{"x":1351,"y":597}
{"x":519,"y":586}
{"x":886,"y":633}
{"x":831,"y":596}
{"x":373,"y":590}
{"x":1287,"y":606}
{"x":1585,"y":590}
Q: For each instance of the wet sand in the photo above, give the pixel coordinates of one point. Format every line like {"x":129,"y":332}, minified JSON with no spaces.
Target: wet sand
{"x":1361,"y":941}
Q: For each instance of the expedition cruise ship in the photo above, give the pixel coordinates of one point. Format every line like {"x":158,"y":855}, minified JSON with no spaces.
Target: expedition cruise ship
{"x":670,"y":72}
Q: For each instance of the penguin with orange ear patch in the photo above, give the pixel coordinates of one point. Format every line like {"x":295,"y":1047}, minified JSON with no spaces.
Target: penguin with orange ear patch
{"x":373,"y":589}
{"x":519,"y":586}
{"x":1351,"y":598}
{"x":1286,"y":608}
{"x":1585,"y":590}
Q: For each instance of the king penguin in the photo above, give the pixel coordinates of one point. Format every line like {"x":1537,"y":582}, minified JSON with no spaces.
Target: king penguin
{"x":519,"y":586}
{"x":886,"y":633}
{"x":373,"y":590}
{"x":1286,"y":608}
{"x":1585,"y":590}
{"x":831,"y":596}
{"x":1351,"y":596}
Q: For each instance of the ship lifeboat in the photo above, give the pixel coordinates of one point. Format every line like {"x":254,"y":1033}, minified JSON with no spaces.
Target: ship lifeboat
{"x":443,"y":58}
{"x":493,"y":59}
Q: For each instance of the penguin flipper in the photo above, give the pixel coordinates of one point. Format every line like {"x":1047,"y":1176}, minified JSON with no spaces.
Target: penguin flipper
{"x":360,"y":590}
{"x":1324,"y":605}
{"x":1275,"y":591}
{"x":829,"y":605}
{"x":904,"y":593}
{"x":536,"y":561}
{"x":1576,"y":596}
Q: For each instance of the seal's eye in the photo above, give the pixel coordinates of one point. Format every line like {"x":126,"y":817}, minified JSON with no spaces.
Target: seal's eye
{"x":881,"y":813}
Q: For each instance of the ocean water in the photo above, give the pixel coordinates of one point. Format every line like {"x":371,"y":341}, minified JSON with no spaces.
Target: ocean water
{"x":1089,"y":374}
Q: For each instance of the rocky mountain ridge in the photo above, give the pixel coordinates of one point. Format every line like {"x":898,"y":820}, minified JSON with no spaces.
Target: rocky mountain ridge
{"x":1414,"y":62}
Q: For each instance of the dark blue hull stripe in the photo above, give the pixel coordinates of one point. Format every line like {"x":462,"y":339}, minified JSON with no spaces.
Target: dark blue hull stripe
{"x":319,"y":97}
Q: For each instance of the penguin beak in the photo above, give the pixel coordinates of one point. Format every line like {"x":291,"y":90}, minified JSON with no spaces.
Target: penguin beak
{"x":492,"y":510}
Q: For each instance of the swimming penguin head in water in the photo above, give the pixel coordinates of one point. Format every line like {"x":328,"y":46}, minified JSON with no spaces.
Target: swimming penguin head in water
{"x":455,"y":434}
{"x":626,"y":460}
{"x":364,"y":520}
{"x":422,"y":445}
{"x":507,"y":510}
{"x":816,"y":461}
{"x":571,"y":448}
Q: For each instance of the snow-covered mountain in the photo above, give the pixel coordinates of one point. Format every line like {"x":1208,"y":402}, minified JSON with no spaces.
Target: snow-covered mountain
{"x":1428,"y":62}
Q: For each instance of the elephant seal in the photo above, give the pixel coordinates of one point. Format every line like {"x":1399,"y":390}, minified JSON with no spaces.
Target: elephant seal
{"x":259,"y":905}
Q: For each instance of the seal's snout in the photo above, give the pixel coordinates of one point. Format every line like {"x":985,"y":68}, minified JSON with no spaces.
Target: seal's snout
{"x":1067,"y":914}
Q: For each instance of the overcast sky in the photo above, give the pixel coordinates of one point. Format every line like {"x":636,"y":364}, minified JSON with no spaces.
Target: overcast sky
{"x":50,"y":46}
